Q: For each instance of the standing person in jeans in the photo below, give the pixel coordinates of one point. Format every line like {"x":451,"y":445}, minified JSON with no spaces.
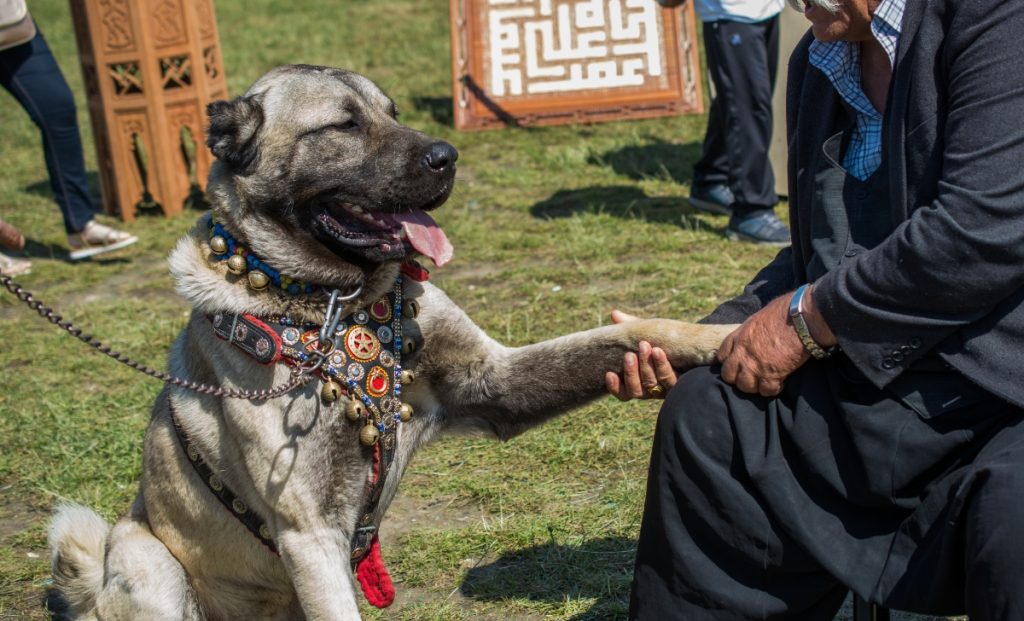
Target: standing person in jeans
{"x":29,"y":72}
{"x":734,"y":176}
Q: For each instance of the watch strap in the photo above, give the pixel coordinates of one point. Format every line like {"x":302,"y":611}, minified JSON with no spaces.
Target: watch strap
{"x":796,"y":317}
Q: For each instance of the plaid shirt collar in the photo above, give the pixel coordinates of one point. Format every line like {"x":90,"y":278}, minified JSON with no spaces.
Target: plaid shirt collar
{"x":840,"y":62}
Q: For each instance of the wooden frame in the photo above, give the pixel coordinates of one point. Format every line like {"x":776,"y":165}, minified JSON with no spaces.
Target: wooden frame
{"x":547,"y":62}
{"x":149,"y":67}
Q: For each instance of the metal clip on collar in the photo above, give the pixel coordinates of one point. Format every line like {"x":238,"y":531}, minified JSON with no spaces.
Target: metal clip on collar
{"x":333,"y":316}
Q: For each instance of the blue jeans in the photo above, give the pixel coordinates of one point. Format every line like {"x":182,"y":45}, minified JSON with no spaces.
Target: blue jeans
{"x":30,"y":73}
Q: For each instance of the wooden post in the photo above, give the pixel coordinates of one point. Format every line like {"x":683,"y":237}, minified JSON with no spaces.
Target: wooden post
{"x":149,"y":68}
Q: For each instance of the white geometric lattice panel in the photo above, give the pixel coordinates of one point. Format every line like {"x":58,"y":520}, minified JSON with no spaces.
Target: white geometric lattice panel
{"x":527,"y":62}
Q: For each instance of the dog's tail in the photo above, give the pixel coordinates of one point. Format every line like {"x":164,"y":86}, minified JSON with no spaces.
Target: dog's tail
{"x":77,"y":542}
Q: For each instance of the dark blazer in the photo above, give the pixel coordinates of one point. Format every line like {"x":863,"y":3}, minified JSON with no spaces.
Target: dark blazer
{"x":950,"y":277}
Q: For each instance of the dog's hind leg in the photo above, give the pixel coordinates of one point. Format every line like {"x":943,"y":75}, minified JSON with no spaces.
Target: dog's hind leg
{"x":143,"y":581}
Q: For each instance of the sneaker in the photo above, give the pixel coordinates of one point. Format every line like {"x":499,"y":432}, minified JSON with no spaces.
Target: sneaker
{"x":14,"y":266}
{"x":10,"y":237}
{"x":761,"y":227}
{"x":716,"y":198}
{"x":96,"y":239}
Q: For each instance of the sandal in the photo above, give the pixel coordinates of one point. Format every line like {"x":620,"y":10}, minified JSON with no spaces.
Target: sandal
{"x":14,"y":266}
{"x":10,"y":237}
{"x":96,"y":239}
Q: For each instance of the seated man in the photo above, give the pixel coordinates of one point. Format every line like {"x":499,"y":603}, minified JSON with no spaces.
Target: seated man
{"x":865,"y":429}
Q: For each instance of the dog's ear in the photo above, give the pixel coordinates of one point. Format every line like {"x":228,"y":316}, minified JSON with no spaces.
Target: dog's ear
{"x":231,"y":135}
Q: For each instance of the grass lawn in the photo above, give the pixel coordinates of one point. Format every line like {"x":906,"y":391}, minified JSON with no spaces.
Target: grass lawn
{"x":552,"y":227}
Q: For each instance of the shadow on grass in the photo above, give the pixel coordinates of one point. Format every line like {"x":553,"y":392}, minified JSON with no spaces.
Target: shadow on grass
{"x":599,"y":569}
{"x":56,"y":605}
{"x":35,"y":249}
{"x":623,"y":201}
{"x":42,"y":188}
{"x":656,"y":159}
{"x":439,"y":109}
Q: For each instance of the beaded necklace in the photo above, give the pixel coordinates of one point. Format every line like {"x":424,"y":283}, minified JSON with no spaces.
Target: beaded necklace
{"x":241,"y":261}
{"x":362,"y":357}
{"x":365,"y":356}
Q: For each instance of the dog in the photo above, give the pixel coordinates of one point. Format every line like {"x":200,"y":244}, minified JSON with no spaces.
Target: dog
{"x":304,"y":274}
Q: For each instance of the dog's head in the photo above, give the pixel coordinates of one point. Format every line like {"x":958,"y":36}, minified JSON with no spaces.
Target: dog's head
{"x":316,"y":174}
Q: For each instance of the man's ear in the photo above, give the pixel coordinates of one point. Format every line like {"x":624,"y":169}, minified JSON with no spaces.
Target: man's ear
{"x":231,"y":135}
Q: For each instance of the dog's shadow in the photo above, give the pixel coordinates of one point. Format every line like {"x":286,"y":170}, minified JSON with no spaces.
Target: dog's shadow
{"x":56,"y":605}
{"x":600,"y":569}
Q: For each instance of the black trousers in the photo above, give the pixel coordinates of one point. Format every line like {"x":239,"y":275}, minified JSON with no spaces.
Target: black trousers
{"x":743,"y":61}
{"x":774,"y":508}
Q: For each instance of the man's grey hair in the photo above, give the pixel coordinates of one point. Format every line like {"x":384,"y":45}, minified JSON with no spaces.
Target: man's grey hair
{"x":831,"y":6}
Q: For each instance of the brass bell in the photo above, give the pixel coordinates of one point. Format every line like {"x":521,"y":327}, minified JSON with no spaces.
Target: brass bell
{"x":408,"y":346}
{"x":410,"y":309}
{"x":237,"y":264}
{"x":258,"y":280}
{"x":354,"y":410}
{"x":368,"y":435}
{"x":218,"y":244}
{"x":407,"y":376}
{"x":331,"y":391}
{"x":405,"y":412}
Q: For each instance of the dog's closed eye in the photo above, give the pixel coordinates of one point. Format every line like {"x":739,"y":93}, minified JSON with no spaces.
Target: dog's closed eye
{"x":346,"y":126}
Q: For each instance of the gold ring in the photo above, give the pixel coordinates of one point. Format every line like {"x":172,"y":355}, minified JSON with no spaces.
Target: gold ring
{"x":656,"y":391}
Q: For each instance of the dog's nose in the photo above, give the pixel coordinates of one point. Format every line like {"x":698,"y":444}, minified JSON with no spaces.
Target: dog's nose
{"x":440,"y":155}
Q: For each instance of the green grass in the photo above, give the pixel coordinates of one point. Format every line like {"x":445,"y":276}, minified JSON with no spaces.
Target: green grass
{"x":552,"y":227}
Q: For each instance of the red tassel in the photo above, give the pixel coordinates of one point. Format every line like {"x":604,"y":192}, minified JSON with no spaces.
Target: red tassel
{"x":415,"y":271}
{"x":374,"y":577}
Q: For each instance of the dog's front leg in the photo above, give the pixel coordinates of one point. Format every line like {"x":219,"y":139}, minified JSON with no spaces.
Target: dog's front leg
{"x":482,"y":384}
{"x":318,"y":560}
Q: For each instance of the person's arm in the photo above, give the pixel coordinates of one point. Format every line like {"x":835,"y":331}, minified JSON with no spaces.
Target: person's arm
{"x":954,"y":260}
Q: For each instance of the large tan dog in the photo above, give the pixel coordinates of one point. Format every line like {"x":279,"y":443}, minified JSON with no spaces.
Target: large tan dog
{"x":258,"y":509}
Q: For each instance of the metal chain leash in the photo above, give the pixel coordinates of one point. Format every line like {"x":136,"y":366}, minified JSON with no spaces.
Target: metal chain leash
{"x":300,"y":375}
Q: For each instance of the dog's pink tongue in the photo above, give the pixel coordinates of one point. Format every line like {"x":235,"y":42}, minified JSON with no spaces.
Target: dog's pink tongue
{"x":425,"y":236}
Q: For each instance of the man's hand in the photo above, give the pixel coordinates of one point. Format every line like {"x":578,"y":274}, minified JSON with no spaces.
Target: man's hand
{"x":759,"y":356}
{"x":646,"y":374}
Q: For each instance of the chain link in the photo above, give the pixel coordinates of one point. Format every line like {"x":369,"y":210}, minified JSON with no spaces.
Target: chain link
{"x":300,"y":375}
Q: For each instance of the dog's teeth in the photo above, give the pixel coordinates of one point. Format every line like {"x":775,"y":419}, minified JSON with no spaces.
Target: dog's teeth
{"x":402,"y":234}
{"x":356,"y":209}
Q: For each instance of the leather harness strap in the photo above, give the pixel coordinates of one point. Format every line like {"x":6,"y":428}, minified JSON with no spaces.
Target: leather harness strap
{"x":235,"y":505}
{"x":365,"y":545}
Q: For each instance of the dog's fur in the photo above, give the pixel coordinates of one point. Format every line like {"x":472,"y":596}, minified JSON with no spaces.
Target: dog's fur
{"x":301,"y":141}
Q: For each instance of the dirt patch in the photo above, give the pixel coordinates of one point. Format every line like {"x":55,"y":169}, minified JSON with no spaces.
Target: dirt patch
{"x":407,"y":513}
{"x":15,"y":515}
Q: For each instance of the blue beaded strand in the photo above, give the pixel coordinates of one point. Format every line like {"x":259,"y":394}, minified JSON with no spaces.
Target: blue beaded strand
{"x":254,"y":263}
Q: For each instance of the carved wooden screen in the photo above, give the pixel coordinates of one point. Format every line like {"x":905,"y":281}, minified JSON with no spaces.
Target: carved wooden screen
{"x":545,"y":62}
{"x":149,"y":67}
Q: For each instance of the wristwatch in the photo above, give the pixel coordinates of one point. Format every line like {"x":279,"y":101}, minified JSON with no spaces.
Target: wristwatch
{"x":796,"y":316}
